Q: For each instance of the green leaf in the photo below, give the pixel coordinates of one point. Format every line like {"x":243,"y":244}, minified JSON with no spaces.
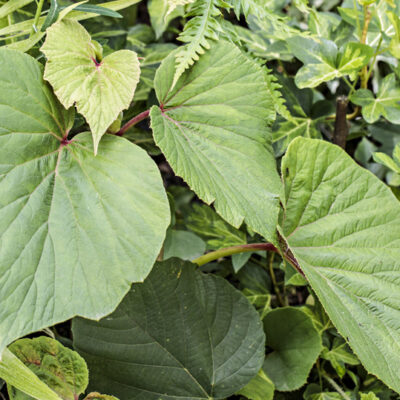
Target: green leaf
{"x":392,"y":163}
{"x":183,"y":244}
{"x":100,"y":88}
{"x":323,"y":62}
{"x":339,"y":355}
{"x":162,"y":12}
{"x":20,"y":376}
{"x":93,"y":8}
{"x":259,"y":388}
{"x":212,"y":128}
{"x":386,"y":103}
{"x":289,"y":130}
{"x":296,"y":345}
{"x":205,"y":222}
{"x":12,"y":5}
{"x":52,"y":15}
{"x":23,"y":28}
{"x":62,"y":369}
{"x":313,"y":392}
{"x":180,"y":334}
{"x":343,"y":226}
{"x":75,"y":229}
{"x":368,"y":396}
{"x":99,"y":396}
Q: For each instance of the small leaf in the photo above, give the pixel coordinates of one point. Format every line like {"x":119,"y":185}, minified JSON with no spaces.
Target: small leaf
{"x":296,"y":345}
{"x":212,"y":126}
{"x":343,"y":226}
{"x":339,"y":355}
{"x":180,"y":334}
{"x":62,"y":369}
{"x":100,"y":88}
{"x":386,"y":103}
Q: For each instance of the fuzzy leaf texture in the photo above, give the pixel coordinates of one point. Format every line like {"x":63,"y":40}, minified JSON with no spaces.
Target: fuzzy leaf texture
{"x":343,"y":226}
{"x":67,"y":246}
{"x":212,"y":126}
{"x":62,"y":369}
{"x":179,"y":335}
{"x":99,"y":87}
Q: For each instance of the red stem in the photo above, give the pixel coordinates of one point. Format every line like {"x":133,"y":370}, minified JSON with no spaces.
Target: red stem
{"x":133,"y":121}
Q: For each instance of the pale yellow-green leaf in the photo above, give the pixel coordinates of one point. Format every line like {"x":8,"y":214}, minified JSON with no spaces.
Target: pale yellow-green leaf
{"x":12,"y":5}
{"x":100,"y":89}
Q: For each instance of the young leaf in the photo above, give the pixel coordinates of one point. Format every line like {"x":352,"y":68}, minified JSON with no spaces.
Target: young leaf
{"x":296,"y":345}
{"x":16,"y":373}
{"x":392,"y":163}
{"x":180,"y":334}
{"x":100,"y":87}
{"x":339,"y":355}
{"x":75,"y":229}
{"x":323,"y":62}
{"x":62,"y":369}
{"x":212,"y":127}
{"x":386,"y":103}
{"x":343,"y":226}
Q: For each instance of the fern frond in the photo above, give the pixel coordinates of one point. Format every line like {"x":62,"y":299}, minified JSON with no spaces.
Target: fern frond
{"x":276,"y":95}
{"x":204,"y":26}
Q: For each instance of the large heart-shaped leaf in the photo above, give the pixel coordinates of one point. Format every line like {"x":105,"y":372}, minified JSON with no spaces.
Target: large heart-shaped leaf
{"x":180,"y":334}
{"x":212,"y":127}
{"x":100,"y":88}
{"x":75,"y":229}
{"x":343,"y":226}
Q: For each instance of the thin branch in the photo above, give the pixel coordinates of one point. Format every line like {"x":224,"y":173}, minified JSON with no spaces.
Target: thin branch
{"x":341,"y":127}
{"x":37,"y":16}
{"x":133,"y":121}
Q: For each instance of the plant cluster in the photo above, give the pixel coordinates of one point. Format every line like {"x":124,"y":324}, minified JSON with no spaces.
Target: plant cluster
{"x":199,"y":199}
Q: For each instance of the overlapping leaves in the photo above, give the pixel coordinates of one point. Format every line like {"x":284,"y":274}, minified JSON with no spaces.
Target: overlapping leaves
{"x":68,"y":247}
{"x":342,"y":225}
{"x":180,"y":334}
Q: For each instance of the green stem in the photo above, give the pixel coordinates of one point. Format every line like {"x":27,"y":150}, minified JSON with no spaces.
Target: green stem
{"x":229,"y":251}
{"x":336,"y":387}
{"x":367,"y":20}
{"x":37,"y":16}
{"x":274,"y":281}
{"x":374,"y":59}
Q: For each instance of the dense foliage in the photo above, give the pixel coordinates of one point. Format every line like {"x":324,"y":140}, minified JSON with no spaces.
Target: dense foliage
{"x":199,"y":199}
